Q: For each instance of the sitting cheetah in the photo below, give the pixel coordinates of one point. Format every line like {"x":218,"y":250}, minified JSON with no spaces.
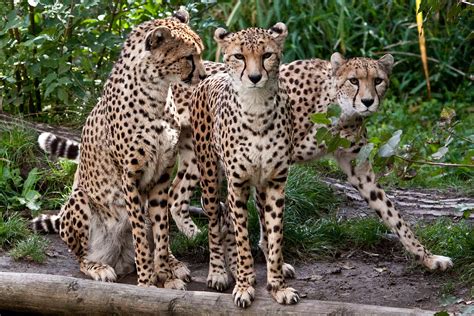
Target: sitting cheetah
{"x":241,"y":120}
{"x":128,"y":150}
{"x":358,"y":86}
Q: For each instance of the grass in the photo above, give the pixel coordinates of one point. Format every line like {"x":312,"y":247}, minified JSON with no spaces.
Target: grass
{"x":12,"y":230}
{"x":32,"y":248}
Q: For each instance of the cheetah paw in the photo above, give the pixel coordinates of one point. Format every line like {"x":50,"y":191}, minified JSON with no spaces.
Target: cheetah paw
{"x":435,"y":262}
{"x":190,"y":230}
{"x":102,"y":272}
{"x":243,"y":297}
{"x":286,"y":296}
{"x":182,"y":272}
{"x":218,"y":281}
{"x":288,"y":271}
{"x":175,"y":284}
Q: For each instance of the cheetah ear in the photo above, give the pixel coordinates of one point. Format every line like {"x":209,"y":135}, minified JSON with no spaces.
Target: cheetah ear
{"x":220,"y":34}
{"x":337,"y":60}
{"x":182,"y":15}
{"x":386,"y":62}
{"x":279,"y":32}
{"x":157,"y":37}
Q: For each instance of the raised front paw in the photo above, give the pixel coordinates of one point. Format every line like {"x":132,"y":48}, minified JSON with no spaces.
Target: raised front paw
{"x":243,"y":295}
{"x":286,"y":296}
{"x":175,"y":284}
{"x":288,"y":271}
{"x":218,"y":280}
{"x":434,"y":262}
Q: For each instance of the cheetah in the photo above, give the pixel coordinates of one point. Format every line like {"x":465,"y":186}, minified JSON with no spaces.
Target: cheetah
{"x":127,"y":153}
{"x":358,"y":85}
{"x":241,"y":121}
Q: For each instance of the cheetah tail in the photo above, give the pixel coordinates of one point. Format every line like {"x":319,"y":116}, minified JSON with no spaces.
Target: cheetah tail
{"x":45,"y":223}
{"x":59,"y":147}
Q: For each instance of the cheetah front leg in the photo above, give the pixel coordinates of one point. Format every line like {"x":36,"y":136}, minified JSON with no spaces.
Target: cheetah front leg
{"x":244,"y":291}
{"x":158,"y":213}
{"x":272,"y":205}
{"x":363,"y":178}
{"x":136,"y":212}
{"x":260,"y":198}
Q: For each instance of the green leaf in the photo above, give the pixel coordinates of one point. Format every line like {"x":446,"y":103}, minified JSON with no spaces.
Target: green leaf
{"x":321,"y":134}
{"x":390,"y":148}
{"x":364,"y":153}
{"x":440,"y":153}
{"x":30,"y":182}
{"x":334,"y":110}
{"x":320,"y":118}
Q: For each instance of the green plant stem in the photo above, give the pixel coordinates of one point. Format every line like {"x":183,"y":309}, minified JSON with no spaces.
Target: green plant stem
{"x":432,"y":163}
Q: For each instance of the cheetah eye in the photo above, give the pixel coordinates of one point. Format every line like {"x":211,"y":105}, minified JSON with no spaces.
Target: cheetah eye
{"x":239,"y":56}
{"x":378,"y":81}
{"x":354,"y":81}
{"x":266,"y":55}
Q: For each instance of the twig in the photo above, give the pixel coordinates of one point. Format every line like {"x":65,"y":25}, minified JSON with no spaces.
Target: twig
{"x":462,"y":73}
{"x":116,"y":9}
{"x":432,"y":163}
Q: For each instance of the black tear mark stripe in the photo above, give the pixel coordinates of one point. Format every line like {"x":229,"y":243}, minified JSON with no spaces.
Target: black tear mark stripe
{"x":243,"y":70}
{"x":355,"y":96}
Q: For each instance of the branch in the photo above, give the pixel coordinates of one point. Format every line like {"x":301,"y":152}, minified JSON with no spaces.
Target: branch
{"x":432,"y":163}
{"x":116,"y":9}
{"x":462,"y":73}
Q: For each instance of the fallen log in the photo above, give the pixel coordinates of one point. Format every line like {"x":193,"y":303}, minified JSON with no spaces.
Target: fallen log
{"x":53,"y":294}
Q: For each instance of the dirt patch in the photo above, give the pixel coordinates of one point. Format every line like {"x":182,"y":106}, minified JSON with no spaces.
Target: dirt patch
{"x":382,"y":277}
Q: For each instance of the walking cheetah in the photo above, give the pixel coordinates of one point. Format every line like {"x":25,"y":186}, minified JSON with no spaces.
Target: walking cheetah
{"x":127,"y":153}
{"x":241,"y":119}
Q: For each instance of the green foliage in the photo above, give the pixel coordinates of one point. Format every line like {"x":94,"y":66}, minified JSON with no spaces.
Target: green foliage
{"x":433,"y":131}
{"x":455,"y":240}
{"x":32,"y":248}
{"x":12,"y":230}
{"x":55,"y":56}
{"x":22,"y":184}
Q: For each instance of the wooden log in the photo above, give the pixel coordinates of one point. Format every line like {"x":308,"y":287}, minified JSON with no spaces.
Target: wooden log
{"x":53,"y":294}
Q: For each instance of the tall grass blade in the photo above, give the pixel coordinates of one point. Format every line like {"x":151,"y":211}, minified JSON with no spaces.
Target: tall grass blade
{"x":421,"y":40}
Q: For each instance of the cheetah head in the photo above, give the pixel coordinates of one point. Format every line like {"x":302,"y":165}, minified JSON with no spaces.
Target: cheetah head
{"x":253,"y":55}
{"x":360,"y":82}
{"x":174,"y":50}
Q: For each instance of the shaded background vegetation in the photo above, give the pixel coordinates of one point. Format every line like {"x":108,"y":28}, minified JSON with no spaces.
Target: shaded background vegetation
{"x":56,"y":55}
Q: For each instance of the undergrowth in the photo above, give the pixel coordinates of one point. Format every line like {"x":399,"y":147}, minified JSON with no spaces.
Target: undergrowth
{"x":19,"y":241}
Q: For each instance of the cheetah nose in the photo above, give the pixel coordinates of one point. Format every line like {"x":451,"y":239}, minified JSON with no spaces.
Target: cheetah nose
{"x":255,"y":78}
{"x":367,"y":102}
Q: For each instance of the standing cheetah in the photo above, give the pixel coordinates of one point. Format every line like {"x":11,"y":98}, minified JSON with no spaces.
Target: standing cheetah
{"x":241,"y":120}
{"x":127,"y":153}
{"x":358,"y":85}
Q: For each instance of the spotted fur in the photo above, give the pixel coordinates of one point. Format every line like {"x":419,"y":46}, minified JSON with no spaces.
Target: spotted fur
{"x":358,"y":85}
{"x":128,"y":150}
{"x":241,"y":120}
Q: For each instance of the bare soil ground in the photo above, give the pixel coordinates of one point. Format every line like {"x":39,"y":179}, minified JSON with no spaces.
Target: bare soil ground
{"x":384,"y":277}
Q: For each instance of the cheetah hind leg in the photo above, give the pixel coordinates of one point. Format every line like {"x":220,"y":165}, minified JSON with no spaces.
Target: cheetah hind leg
{"x":74,"y":231}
